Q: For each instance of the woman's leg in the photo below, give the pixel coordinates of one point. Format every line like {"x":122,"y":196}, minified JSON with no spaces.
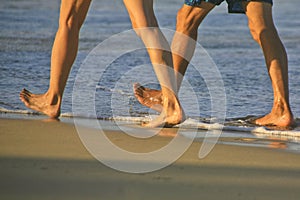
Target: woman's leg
{"x":188,"y":20}
{"x":64,"y":51}
{"x":145,"y":24}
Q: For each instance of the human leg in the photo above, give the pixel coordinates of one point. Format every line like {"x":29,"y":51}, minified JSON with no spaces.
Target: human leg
{"x":188,"y":20}
{"x":145,"y":24}
{"x":64,"y":51}
{"x":264,"y":32}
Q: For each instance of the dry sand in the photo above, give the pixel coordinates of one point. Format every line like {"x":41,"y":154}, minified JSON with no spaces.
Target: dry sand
{"x":46,"y":160}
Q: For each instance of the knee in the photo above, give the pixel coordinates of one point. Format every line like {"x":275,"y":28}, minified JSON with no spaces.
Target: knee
{"x":144,"y":24}
{"x":255,"y":33}
{"x":69,"y":22}
{"x":188,"y":20}
{"x":260,"y":31}
{"x":143,"y":20}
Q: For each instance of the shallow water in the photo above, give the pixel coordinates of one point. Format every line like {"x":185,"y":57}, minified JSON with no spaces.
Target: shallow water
{"x":28,"y":29}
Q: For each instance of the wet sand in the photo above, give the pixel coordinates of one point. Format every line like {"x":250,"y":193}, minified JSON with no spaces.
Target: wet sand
{"x":46,"y":160}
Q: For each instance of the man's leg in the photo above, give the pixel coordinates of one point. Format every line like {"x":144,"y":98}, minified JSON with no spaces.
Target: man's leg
{"x":64,"y":51}
{"x":145,"y":24}
{"x":184,"y":41}
{"x":264,"y":32}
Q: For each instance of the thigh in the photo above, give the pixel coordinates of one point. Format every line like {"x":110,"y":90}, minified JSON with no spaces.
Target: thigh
{"x":195,"y":11}
{"x":141,"y":13}
{"x":259,"y":14}
{"x":74,"y":9}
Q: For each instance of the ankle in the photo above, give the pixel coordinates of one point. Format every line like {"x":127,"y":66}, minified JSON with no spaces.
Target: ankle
{"x":53,"y":98}
{"x":281,"y":106}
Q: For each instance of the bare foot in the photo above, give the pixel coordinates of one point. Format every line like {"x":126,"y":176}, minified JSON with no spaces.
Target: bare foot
{"x":276,"y":118}
{"x":39,"y":102}
{"x":171,"y":115}
{"x":148,"y":97}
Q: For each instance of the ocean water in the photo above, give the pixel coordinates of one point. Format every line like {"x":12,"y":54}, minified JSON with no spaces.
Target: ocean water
{"x":28,"y":29}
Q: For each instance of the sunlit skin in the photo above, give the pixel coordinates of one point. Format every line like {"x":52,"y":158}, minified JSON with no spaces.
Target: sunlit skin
{"x":262,"y":28}
{"x":145,"y":24}
{"x":64,"y":51}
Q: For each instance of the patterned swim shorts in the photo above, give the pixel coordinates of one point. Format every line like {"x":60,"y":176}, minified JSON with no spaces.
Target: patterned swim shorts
{"x":234,"y":6}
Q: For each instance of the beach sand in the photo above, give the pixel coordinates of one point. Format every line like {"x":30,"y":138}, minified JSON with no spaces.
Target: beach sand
{"x":46,"y":160}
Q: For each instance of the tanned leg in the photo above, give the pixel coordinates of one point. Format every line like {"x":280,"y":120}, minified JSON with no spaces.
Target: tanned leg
{"x":145,"y":24}
{"x":64,"y":51}
{"x":183,"y":46}
{"x":264,"y":32}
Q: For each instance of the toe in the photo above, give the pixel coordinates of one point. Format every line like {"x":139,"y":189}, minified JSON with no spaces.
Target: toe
{"x":22,"y":96}
{"x":136,"y":85}
{"x":138,"y":90}
{"x":27,"y":92}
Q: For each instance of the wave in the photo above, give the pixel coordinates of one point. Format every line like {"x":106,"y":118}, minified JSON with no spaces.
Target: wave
{"x":244,"y":126}
{"x":230,"y":125}
{"x":27,"y":112}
